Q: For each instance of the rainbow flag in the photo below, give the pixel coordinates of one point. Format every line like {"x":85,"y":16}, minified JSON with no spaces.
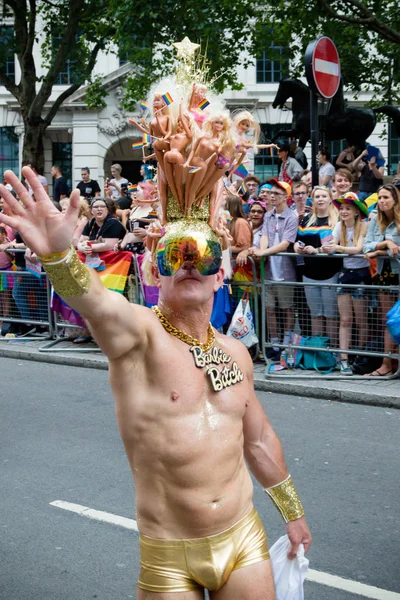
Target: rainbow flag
{"x":194,"y":169}
{"x":137,"y":145}
{"x":243,"y":188}
{"x":116,"y":272}
{"x":203,"y":104}
{"x":143,"y":105}
{"x":241,"y":171}
{"x":167,"y":98}
{"x":113,"y":278}
{"x":147,"y":138}
{"x":132,"y":189}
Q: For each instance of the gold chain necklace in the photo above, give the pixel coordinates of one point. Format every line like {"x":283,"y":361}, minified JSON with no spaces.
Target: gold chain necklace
{"x":206,"y":356}
{"x":185,"y":337}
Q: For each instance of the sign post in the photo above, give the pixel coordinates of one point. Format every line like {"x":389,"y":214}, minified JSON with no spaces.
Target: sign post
{"x":323,"y":75}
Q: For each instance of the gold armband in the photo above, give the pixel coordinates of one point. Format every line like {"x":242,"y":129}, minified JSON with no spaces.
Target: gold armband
{"x":286,"y":500}
{"x":69,"y":276}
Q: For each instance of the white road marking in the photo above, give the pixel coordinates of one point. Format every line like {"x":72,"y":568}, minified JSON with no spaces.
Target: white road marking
{"x":325,"y":66}
{"x":347,"y":585}
{"x":97,"y":515}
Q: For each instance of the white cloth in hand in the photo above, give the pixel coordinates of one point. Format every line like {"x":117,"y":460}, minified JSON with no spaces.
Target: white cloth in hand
{"x":289,"y":575}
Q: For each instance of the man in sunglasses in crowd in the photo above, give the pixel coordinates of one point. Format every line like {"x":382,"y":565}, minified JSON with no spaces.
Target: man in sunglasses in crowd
{"x":185,"y":405}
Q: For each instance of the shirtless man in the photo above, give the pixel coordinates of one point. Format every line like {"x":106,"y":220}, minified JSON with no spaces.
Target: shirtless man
{"x":186,"y":443}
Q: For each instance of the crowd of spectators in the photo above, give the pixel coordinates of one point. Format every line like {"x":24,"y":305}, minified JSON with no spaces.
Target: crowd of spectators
{"x":312,"y":227}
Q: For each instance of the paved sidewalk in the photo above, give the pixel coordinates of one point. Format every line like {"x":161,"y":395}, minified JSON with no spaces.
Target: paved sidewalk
{"x":378,"y":392}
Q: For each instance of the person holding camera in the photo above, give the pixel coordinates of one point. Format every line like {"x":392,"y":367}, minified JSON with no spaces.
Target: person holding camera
{"x":371,"y":173}
{"x":114,"y":184}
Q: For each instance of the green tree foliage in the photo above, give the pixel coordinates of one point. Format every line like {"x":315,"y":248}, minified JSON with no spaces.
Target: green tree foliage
{"x":147,"y":31}
{"x":66,"y":30}
{"x":366,"y":33}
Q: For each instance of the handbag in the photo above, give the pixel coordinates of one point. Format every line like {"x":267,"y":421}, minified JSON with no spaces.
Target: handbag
{"x":323,"y":362}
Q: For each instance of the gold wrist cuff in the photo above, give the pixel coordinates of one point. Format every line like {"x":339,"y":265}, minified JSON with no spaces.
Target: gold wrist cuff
{"x":286,"y":500}
{"x":54,"y":257}
{"x":69,"y":276}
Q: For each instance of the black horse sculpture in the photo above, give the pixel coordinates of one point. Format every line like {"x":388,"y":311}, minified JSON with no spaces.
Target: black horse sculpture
{"x":342,"y":122}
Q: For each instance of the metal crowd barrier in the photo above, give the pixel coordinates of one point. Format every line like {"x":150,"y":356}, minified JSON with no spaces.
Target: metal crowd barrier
{"x":26,"y":298}
{"x":370,"y":317}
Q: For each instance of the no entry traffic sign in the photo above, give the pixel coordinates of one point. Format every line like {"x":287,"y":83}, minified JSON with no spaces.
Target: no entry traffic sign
{"x":323,"y":67}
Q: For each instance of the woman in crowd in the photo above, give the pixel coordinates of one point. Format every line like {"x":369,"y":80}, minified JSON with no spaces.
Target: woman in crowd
{"x":239,"y":227}
{"x":348,"y":238}
{"x":383,"y":241}
{"x":315,"y":231}
{"x":100,"y":234}
{"x":264,"y":194}
{"x":256,"y":219}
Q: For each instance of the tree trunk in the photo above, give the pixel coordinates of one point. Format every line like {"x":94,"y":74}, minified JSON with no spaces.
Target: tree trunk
{"x":33,"y":148}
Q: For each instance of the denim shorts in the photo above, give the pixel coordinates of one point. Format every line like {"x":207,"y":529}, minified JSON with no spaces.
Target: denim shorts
{"x":354,"y":277}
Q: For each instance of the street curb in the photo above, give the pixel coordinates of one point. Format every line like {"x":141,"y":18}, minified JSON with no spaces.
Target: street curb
{"x":53,"y":358}
{"x":322,"y":393}
{"x":260,"y":385}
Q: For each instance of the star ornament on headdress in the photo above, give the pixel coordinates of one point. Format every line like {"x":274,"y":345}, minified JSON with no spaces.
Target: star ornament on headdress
{"x":186,"y":48}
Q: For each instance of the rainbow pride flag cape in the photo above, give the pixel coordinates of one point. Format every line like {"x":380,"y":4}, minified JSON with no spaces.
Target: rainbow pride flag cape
{"x":203,"y":104}
{"x":143,"y":105}
{"x":137,"y":145}
{"x":167,"y":98}
{"x":241,"y":171}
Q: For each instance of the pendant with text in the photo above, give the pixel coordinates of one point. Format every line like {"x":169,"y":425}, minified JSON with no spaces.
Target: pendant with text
{"x":219,"y":379}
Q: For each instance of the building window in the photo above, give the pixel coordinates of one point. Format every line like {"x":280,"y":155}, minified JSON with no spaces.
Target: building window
{"x":335,"y":147}
{"x":265,"y":165}
{"x":394,"y":151}
{"x":67,"y":75}
{"x":270,"y":68}
{"x":9,"y":149}
{"x":62,"y":156}
{"x":7,"y":37}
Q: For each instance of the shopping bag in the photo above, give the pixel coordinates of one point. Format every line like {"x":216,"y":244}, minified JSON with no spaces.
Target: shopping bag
{"x":242,"y":324}
{"x":393,"y":322}
{"x":323,"y":362}
{"x":289,"y":575}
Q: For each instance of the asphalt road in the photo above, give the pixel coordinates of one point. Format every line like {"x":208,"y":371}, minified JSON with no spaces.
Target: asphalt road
{"x":59,"y":441}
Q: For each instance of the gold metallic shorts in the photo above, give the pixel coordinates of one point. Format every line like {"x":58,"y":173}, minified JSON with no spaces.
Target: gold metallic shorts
{"x":186,"y":565}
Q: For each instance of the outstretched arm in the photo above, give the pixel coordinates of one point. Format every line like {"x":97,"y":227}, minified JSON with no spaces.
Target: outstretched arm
{"x":264,"y":455}
{"x":118,"y":326}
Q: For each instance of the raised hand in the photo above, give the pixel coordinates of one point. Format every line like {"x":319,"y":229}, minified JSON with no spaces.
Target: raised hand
{"x":43,"y":228}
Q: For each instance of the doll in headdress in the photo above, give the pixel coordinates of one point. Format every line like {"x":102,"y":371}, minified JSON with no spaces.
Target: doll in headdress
{"x":198,"y":95}
{"x":173,"y":159}
{"x":207,"y":145}
{"x":244,"y":121}
{"x":227,"y":152}
{"x":160,"y":127}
